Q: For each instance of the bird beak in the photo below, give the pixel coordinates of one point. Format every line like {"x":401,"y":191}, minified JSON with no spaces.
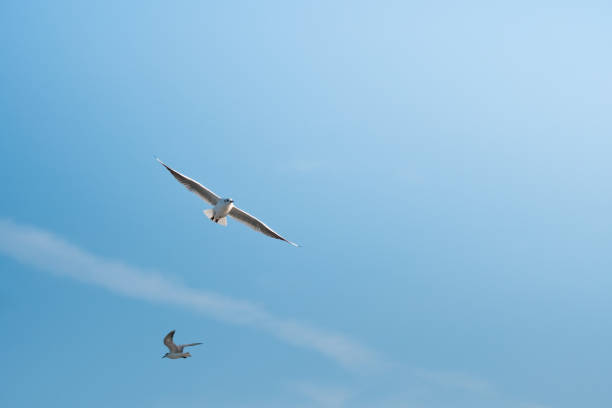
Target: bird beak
{"x":164,"y":356}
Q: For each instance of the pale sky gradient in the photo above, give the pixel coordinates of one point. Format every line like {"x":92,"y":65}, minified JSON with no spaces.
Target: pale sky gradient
{"x":445,"y":166}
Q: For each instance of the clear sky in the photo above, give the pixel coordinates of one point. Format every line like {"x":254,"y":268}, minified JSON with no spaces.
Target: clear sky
{"x":445,"y":166}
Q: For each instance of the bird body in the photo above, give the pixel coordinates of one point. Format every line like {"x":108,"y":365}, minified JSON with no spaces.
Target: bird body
{"x":175,"y":356}
{"x":222,"y":207}
{"x":220,"y":211}
{"x":176,"y":351}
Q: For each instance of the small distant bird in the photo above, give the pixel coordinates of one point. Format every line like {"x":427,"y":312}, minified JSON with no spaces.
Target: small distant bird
{"x":223,"y":207}
{"x":176,"y":351}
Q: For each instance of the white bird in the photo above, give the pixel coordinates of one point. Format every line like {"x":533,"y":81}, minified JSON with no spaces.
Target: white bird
{"x":176,"y":351}
{"x":223,"y":207}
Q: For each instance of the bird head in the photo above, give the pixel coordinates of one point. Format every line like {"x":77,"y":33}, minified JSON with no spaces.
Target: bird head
{"x":229,"y":200}
{"x":165,"y":355}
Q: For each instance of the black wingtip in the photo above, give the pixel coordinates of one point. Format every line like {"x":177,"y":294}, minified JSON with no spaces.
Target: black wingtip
{"x":162,"y":163}
{"x":292,"y":243}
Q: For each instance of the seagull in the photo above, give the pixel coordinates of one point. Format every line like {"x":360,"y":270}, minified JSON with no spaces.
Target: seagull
{"x":223,"y":207}
{"x":176,"y":351}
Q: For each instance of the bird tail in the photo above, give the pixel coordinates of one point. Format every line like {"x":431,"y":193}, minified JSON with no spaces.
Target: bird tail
{"x":209,"y":214}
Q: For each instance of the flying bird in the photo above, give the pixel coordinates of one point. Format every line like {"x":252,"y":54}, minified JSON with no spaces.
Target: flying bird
{"x":176,"y":351}
{"x":223,"y":207}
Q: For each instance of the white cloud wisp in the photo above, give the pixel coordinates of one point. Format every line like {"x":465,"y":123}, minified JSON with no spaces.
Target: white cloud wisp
{"x":48,"y":252}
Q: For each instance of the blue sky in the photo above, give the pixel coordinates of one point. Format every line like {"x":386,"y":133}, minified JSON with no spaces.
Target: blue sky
{"x":445,"y":167}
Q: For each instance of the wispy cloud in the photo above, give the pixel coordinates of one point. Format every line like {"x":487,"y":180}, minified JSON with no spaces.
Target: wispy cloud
{"x":455,"y":380}
{"x":48,"y":252}
{"x":322,"y":396}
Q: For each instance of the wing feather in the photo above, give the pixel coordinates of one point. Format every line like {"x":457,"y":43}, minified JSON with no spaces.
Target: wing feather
{"x":256,"y":224}
{"x":169,"y":342}
{"x":192,"y":185}
{"x":189,"y":345}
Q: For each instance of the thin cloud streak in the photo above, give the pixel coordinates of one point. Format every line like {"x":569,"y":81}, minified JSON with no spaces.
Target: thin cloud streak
{"x":48,"y":252}
{"x":458,"y":380}
{"x":322,"y":396}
